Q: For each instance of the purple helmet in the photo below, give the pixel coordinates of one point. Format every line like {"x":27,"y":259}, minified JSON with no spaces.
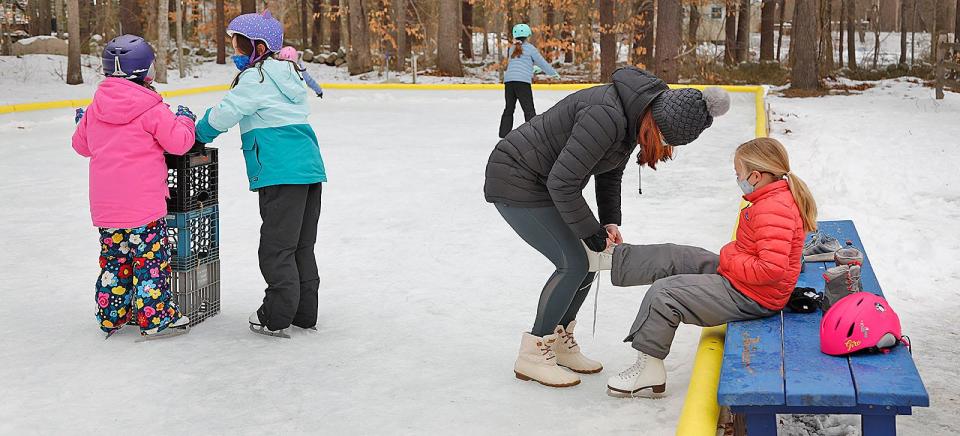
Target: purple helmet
{"x":259,"y":27}
{"x":129,"y":57}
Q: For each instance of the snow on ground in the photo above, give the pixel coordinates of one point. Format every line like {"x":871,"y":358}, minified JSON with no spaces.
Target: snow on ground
{"x":426,"y":290}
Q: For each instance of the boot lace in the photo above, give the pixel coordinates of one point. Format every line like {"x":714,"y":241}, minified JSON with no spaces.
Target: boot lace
{"x":635,"y":369}
{"x":547,"y":351}
{"x":568,"y":341}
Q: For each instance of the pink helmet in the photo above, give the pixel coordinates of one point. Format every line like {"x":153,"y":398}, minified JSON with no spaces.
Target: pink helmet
{"x":859,"y":321}
{"x":288,"y":53}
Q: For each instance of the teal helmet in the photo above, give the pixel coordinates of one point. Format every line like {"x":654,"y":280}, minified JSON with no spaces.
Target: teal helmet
{"x":522,"y":31}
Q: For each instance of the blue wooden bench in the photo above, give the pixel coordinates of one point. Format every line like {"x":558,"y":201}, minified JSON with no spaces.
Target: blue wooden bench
{"x":774,"y":366}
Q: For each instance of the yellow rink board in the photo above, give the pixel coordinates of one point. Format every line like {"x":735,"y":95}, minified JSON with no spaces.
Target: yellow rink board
{"x":700,"y":410}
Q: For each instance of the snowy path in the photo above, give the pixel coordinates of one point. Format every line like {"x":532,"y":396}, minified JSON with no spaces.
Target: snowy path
{"x":425,"y":290}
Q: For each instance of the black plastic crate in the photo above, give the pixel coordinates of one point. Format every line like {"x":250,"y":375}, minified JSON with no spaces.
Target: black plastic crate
{"x":192,"y":180}
{"x":193,"y":237}
{"x":197,"y":292}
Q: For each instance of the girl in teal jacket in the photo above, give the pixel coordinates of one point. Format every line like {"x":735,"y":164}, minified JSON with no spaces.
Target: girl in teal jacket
{"x":284,"y":167}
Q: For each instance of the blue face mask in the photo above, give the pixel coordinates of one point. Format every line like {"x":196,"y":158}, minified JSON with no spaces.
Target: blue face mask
{"x":241,"y":61}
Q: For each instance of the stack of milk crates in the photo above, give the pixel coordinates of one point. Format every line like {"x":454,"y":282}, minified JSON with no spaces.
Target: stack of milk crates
{"x":193,"y":232}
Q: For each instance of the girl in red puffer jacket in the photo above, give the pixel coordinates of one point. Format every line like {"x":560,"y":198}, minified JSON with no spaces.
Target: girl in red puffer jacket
{"x":751,"y":278}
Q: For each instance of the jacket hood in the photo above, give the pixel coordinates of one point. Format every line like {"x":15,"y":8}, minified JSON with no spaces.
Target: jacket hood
{"x":120,"y":101}
{"x":637,"y":89}
{"x":283,"y":76}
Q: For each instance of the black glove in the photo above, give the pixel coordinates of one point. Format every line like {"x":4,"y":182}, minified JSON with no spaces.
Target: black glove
{"x":597,"y":241}
{"x":197,"y":147}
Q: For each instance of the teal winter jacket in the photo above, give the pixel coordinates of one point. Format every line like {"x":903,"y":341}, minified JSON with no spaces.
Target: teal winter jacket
{"x":279,"y":146}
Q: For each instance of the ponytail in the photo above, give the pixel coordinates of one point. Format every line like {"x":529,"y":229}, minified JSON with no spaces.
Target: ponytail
{"x":767,"y":155}
{"x":804,"y":199}
{"x":518,"y":47}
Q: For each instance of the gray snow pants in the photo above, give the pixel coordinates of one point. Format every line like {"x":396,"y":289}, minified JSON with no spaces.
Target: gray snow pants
{"x":566,"y":289}
{"x":685,"y":288}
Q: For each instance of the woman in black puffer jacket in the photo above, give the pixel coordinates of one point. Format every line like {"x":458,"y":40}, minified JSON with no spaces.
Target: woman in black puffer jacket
{"x":535,"y":177}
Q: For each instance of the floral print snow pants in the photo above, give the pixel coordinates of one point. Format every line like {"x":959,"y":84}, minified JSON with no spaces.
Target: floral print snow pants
{"x":135,"y":278}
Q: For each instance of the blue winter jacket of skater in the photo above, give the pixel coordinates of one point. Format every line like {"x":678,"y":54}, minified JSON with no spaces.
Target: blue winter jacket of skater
{"x":520,"y":69}
{"x":279,"y":146}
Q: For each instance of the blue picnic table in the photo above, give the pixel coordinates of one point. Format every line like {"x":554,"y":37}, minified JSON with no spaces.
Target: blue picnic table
{"x":774,"y":365}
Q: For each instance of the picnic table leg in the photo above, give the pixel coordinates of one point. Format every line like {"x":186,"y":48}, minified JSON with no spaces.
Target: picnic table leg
{"x":761,"y":424}
{"x":878,"y":425}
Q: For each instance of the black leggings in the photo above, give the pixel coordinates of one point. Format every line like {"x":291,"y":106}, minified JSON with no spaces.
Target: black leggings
{"x":514,"y":91}
{"x":568,"y":286}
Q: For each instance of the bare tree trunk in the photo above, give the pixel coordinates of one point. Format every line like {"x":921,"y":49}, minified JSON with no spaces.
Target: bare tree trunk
{"x":180,"y":65}
{"x":825,"y":45}
{"x":668,"y":40}
{"x":448,"y":26}
{"x":304,"y":30}
{"x":956,"y":23}
{"x":335,"y":25}
{"x":86,"y":25}
{"x":358,"y":59}
{"x":163,"y":34}
{"x":767,"y":16}
{"x":608,"y":41}
{"x":903,"y":31}
{"x":466,"y":41}
{"x":841,"y":26}
{"x":694,"y":25}
{"x":58,"y":15}
{"x":730,"y":33}
{"x":344,"y":25}
{"x":642,"y":53}
{"x":43,"y":18}
{"x":568,"y":39}
{"x":403,"y":44}
{"x":316,"y":36}
{"x":221,"y":33}
{"x":782,"y":7}
{"x":876,"y":36}
{"x":851,"y":30}
{"x":804,"y":73}
{"x":743,"y":32}
{"x":74,"y":74}
{"x":248,"y":6}
{"x":486,"y":31}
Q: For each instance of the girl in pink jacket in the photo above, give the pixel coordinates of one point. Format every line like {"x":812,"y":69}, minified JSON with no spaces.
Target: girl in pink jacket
{"x":124,"y":133}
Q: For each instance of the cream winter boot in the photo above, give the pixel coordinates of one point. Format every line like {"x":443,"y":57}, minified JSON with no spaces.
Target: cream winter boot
{"x":568,"y":352}
{"x":647,"y":374}
{"x":602,"y":261}
{"x":538,"y":362}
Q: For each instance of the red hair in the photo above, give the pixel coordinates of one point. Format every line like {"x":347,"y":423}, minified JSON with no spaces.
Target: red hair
{"x":652,"y":148}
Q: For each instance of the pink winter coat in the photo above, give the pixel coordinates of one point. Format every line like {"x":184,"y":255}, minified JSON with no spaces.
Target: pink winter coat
{"x":124,"y":133}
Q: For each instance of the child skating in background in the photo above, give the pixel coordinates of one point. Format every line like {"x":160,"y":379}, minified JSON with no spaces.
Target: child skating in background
{"x":752,"y":277}
{"x":284,"y":167}
{"x":523,"y":57}
{"x":291,"y":54}
{"x":125,"y":132}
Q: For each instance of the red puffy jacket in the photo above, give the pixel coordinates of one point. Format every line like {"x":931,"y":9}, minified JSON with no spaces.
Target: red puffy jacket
{"x":764,"y":262}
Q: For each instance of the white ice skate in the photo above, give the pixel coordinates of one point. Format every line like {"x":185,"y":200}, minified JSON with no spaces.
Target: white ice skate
{"x":602,"y":261}
{"x":257,"y":327}
{"x":179,"y":327}
{"x":645,"y":378}
{"x":568,"y":352}
{"x":538,"y":362}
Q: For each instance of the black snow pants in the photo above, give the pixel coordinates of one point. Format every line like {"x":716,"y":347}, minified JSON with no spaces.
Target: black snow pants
{"x":514,"y":91}
{"x":290,"y":214}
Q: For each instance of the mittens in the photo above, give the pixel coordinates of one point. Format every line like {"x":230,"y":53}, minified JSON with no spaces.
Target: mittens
{"x":78,"y":116}
{"x":183,"y":111}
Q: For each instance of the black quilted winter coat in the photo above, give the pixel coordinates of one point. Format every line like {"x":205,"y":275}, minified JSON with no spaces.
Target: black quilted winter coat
{"x":549,"y":160}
